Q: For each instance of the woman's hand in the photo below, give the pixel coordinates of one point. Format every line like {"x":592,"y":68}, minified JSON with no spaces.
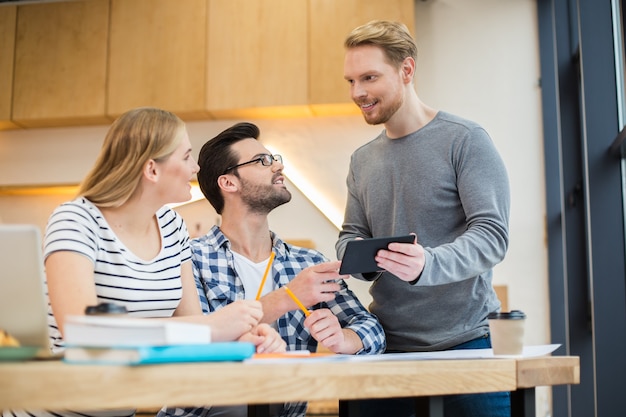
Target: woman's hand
{"x":265,"y":338}
{"x":234,"y":320}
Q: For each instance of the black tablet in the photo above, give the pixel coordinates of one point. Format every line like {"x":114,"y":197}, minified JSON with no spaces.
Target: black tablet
{"x":359,"y":255}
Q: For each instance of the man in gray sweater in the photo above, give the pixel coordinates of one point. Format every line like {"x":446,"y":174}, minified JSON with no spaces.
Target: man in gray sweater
{"x":440,"y":177}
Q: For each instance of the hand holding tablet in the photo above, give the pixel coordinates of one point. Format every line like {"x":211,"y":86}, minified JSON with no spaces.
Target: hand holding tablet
{"x":359,"y":255}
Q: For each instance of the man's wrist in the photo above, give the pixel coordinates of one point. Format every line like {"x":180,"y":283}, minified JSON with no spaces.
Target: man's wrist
{"x":415,"y":280}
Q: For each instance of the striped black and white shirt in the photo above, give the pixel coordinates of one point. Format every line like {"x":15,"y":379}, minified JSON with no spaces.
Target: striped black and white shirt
{"x":150,"y":288}
{"x":147,"y":288}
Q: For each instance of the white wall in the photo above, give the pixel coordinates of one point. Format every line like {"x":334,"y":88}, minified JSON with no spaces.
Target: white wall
{"x":477,"y":58}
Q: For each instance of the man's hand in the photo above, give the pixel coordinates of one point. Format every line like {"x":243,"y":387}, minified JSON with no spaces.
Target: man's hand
{"x":317,"y":283}
{"x":325,"y":328}
{"x":404,"y":260}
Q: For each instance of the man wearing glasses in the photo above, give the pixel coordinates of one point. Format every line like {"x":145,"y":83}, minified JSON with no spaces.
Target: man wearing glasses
{"x":244,"y":183}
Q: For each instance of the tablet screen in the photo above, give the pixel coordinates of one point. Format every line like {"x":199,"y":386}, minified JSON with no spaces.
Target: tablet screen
{"x":359,"y":255}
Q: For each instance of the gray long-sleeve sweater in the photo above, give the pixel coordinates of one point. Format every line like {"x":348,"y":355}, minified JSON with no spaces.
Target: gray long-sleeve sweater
{"x":447,"y":183}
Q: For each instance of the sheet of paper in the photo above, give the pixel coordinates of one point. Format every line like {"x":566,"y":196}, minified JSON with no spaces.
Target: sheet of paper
{"x":529,"y":352}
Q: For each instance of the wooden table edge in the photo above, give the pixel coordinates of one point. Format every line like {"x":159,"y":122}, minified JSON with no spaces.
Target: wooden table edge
{"x":562,"y":370}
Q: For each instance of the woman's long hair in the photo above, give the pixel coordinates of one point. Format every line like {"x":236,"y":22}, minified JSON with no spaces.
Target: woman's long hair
{"x":136,"y":137}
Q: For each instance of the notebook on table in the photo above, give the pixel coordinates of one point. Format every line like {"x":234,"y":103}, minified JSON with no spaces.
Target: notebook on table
{"x":23,"y":304}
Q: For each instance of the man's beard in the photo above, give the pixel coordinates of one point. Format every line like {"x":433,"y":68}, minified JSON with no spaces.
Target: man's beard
{"x":383,"y":113}
{"x":263,"y":198}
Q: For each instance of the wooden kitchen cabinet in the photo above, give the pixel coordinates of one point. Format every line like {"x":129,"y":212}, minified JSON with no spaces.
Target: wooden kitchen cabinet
{"x":257,"y":58}
{"x":8,"y":18}
{"x":158,"y":56}
{"x":330,"y":22}
{"x":60,"y":63}
{"x":87,"y":62}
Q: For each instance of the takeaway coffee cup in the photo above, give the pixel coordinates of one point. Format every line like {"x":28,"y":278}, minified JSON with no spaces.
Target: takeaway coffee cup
{"x":507,"y":332}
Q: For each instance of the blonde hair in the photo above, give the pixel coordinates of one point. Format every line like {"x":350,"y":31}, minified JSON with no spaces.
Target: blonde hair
{"x":136,"y":137}
{"x":393,"y":38}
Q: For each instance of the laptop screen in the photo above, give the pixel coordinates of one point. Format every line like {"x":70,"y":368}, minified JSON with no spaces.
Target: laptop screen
{"x":23,"y":304}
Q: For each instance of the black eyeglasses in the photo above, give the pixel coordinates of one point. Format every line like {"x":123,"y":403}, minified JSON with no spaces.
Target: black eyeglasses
{"x":265,"y":159}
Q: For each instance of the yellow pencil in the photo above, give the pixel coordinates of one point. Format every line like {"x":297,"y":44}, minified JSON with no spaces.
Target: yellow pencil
{"x":298,"y":302}
{"x":267,"y":269}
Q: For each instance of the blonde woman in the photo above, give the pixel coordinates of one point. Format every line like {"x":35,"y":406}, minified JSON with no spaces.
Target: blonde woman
{"x":118,"y":242}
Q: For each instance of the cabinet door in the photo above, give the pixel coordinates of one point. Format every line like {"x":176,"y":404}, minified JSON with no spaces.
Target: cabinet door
{"x":60,"y":63}
{"x":7,"y":49}
{"x":158,"y":56}
{"x":257,"y":59}
{"x":331,"y":21}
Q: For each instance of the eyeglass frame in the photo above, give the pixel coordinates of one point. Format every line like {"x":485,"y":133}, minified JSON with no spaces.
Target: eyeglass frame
{"x":265,"y":159}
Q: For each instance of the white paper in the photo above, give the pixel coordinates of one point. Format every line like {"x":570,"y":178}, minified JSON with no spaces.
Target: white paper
{"x":529,"y":352}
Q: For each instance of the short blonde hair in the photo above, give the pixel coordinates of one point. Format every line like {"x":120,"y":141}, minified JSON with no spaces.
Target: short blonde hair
{"x":393,"y":38}
{"x":136,"y":137}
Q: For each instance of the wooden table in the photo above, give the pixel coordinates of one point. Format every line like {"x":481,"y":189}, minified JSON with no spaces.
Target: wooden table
{"x":54,"y":385}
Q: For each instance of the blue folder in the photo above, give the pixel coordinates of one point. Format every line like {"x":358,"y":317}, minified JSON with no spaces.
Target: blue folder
{"x":145,"y":355}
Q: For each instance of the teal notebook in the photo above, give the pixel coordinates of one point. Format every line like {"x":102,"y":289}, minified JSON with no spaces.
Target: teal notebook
{"x":145,"y":355}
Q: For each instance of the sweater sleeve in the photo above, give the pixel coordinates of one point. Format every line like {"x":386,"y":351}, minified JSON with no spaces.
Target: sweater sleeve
{"x":484,"y":193}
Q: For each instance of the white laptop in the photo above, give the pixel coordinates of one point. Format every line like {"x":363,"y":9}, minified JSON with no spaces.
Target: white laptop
{"x":23,"y":304}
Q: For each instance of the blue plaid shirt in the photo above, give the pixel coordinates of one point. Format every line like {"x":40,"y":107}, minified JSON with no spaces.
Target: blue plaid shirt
{"x":218,"y":285}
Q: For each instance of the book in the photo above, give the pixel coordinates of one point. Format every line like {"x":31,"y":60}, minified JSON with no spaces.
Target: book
{"x":145,"y":355}
{"x":123,"y":331}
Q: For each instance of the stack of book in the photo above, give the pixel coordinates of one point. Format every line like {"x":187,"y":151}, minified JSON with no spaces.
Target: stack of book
{"x":133,"y":341}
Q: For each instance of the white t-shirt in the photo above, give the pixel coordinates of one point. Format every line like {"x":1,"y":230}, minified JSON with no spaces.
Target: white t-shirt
{"x":251,"y":275}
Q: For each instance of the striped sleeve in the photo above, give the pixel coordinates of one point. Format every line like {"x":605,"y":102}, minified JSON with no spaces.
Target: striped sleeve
{"x":72,"y":227}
